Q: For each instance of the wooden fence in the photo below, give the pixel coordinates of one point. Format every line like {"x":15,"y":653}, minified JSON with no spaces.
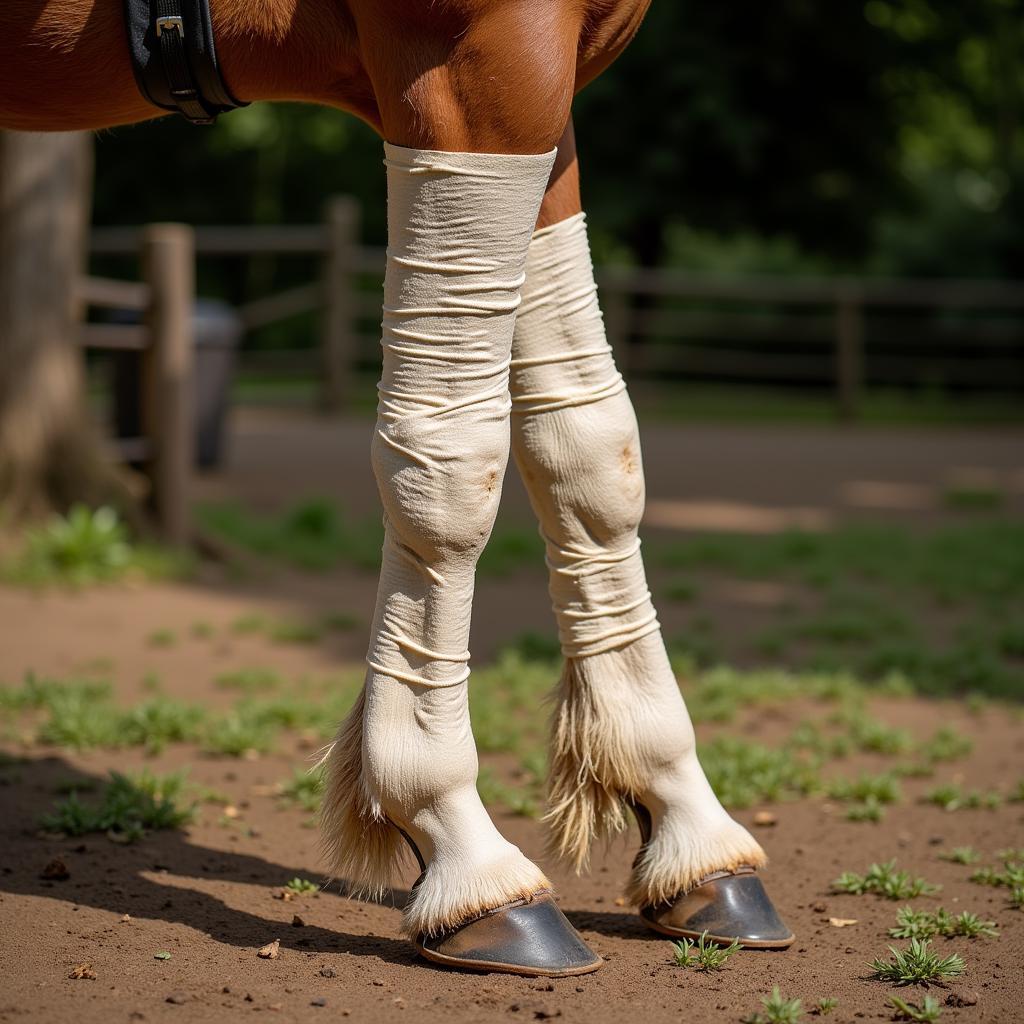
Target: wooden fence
{"x":163,"y":301}
{"x":661,"y":322}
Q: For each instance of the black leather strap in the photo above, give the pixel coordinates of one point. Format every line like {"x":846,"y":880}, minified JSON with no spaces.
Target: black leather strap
{"x":175,"y":60}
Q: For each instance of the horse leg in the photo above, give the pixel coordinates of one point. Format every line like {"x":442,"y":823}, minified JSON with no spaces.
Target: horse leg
{"x":405,"y":764}
{"x":622,"y":736}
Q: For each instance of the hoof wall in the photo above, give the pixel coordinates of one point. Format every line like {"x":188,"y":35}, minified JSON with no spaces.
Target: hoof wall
{"x":728,"y":907}
{"x":528,"y":937}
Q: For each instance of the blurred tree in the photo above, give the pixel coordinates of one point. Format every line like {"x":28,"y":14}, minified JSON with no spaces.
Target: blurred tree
{"x":49,"y":455}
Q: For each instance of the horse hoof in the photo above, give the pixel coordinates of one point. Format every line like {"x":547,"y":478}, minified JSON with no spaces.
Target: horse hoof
{"x":728,"y":906}
{"x":528,"y":937}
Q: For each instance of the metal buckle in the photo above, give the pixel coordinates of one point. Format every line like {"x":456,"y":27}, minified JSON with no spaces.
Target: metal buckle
{"x":169,"y":22}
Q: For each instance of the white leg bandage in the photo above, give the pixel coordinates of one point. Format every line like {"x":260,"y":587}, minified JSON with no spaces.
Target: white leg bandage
{"x":458,"y":226}
{"x":621,"y":728}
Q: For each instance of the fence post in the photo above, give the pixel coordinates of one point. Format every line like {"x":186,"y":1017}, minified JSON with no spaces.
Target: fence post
{"x":340,"y":322}
{"x":168,"y":260}
{"x":849,"y":354}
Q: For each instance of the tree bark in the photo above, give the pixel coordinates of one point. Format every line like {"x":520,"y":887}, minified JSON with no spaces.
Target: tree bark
{"x":50,"y":453}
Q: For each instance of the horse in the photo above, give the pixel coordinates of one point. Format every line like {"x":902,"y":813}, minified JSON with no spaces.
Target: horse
{"x":492,"y":341}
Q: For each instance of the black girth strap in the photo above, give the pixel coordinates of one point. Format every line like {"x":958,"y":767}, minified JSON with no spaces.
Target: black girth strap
{"x":174,"y":58}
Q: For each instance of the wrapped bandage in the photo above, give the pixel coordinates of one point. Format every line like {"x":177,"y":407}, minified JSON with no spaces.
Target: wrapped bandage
{"x":459,"y":225}
{"x":577,"y":446}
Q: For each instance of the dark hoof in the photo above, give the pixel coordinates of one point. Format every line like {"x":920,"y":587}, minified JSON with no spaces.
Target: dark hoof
{"x":726,"y":906}
{"x":530,"y":937}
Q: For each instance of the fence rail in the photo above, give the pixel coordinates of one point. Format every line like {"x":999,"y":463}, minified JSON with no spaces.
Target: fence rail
{"x":657,"y":320}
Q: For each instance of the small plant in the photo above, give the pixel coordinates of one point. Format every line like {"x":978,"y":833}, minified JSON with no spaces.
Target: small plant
{"x":1017,"y":897}
{"x":971,"y":926}
{"x":301,"y":886}
{"x":824,"y":1006}
{"x":885,"y":880}
{"x":777,"y":1010}
{"x":248,"y":680}
{"x":961,"y":855}
{"x":701,"y":954}
{"x":162,"y":638}
{"x":917,"y":965}
{"x":130,"y":806}
{"x":869,"y":810}
{"x":952,"y":798}
{"x":304,"y":788}
{"x":946,"y":745}
{"x":1011,"y":876}
{"x":927,"y":1012}
{"x":877,"y":789}
{"x":923,"y":924}
{"x":914,"y":924}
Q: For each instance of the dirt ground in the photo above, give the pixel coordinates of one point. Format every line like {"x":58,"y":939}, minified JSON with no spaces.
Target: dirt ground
{"x":206,"y":894}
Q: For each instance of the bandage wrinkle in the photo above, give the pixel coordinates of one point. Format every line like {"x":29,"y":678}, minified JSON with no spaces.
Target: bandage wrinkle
{"x":570,"y":411}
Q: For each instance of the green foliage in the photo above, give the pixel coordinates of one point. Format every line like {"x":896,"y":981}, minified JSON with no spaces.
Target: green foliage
{"x":1011,"y":876}
{"x":249,"y":680}
{"x":304,"y":788}
{"x":924,"y":924}
{"x":884,"y":880}
{"x":879,"y":789}
{"x":522,"y":800}
{"x":868,"y":810}
{"x":825,"y":1005}
{"x":961,"y":855}
{"x":701,"y":954}
{"x":162,"y":638}
{"x":927,"y":1011}
{"x":946,"y":745}
{"x":917,"y":965}
{"x":301,"y":886}
{"x":84,"y":547}
{"x":951,"y":797}
{"x":777,"y":1010}
{"x":313,"y":534}
{"x":129,"y":807}
{"x":743,"y":773}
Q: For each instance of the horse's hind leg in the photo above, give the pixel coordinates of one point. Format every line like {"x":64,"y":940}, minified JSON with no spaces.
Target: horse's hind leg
{"x":621,"y":732}
{"x":459,"y":227}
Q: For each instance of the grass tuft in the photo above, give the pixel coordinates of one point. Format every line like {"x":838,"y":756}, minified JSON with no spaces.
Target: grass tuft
{"x":884,"y":880}
{"x":917,"y":965}
{"x":777,"y":1010}
{"x":129,"y":807}
{"x":701,"y":954}
{"x":926,"y":1012}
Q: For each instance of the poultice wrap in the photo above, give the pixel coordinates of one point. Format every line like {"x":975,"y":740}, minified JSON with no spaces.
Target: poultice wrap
{"x":458,"y":225}
{"x":578,"y":449}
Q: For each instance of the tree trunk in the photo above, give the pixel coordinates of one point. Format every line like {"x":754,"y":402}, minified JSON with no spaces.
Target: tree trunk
{"x":50,"y":454}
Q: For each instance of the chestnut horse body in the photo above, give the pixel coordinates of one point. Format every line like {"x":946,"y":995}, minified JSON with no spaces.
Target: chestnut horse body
{"x":462,"y":75}
{"x":492,"y":338}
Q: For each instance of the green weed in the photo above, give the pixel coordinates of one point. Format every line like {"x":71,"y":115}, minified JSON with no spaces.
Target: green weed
{"x":825,"y":1005}
{"x":777,"y":1010}
{"x":879,"y":789}
{"x":926,"y":1012}
{"x":84,"y":547}
{"x":924,"y":924}
{"x":304,"y":788}
{"x":884,"y":880}
{"x":701,"y":954}
{"x":162,"y":638}
{"x":952,"y":798}
{"x":249,"y":680}
{"x":301,"y":886}
{"x":743,"y":773}
{"x":961,"y":855}
{"x":917,"y":965}
{"x":129,"y":807}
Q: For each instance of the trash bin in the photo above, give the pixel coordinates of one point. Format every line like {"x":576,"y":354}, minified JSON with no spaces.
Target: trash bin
{"x":218,"y":333}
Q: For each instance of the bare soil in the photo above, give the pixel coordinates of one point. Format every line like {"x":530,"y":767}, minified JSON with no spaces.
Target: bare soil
{"x":206,"y":894}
